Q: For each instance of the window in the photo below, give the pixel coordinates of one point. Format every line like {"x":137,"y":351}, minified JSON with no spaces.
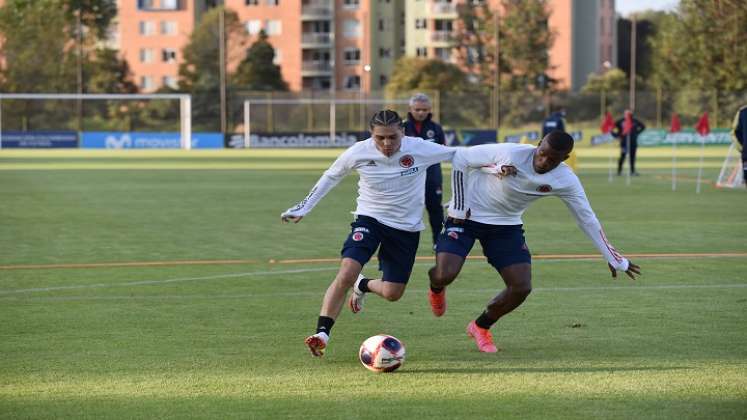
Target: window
{"x":170,"y":4}
{"x":146,"y":27}
{"x":254,"y":26}
{"x":443,"y":25}
{"x":352,"y":82}
{"x":421,"y":52}
{"x":352,"y":56}
{"x":273,"y":27}
{"x":251,"y":2}
{"x":385,"y":52}
{"x":421,"y":24}
{"x":443,"y":53}
{"x":146,"y":55}
{"x":273,"y":2}
{"x":169,"y":81}
{"x":351,"y":28}
{"x":278,"y":58}
{"x":158,"y":5}
{"x":146,"y":83}
{"x":168,"y":55}
{"x":350,"y":4}
{"x":168,"y":27}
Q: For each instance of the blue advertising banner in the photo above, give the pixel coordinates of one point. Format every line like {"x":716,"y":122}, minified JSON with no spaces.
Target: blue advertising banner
{"x":475,"y":137}
{"x":147,"y":140}
{"x":39,"y":139}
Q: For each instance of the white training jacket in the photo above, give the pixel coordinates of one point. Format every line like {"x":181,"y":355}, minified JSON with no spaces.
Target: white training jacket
{"x":390,"y":189}
{"x":502,"y":201}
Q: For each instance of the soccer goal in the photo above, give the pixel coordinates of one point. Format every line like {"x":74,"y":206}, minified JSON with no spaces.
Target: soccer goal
{"x":157,"y":114}
{"x":296,"y":138}
{"x":731,"y":171}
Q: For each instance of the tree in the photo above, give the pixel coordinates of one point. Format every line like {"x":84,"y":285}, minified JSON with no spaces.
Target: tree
{"x":199,"y":73}
{"x":613,"y":80}
{"x":526,"y":40}
{"x":412,"y":74}
{"x":109,"y":73}
{"x":475,"y":43}
{"x":429,"y":75}
{"x":257,"y":71}
{"x":36,"y":48}
{"x":700,"y":53}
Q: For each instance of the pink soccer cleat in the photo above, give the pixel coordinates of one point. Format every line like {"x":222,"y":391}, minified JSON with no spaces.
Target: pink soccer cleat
{"x":316,"y":344}
{"x":438,"y":302}
{"x":482,"y":337}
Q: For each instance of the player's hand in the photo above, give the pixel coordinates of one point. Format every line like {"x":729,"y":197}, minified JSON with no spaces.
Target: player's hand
{"x":289,"y":217}
{"x":507,"y":170}
{"x":632,"y":271}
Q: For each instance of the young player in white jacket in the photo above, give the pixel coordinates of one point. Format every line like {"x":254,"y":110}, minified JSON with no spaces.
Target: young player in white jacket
{"x":389,"y":216}
{"x":492,"y":186}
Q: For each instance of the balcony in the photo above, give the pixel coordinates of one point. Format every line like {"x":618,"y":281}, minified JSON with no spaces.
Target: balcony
{"x":316,"y":40}
{"x":443,"y":10}
{"x":316,"y":68}
{"x":441,"y":37}
{"x":315,"y":10}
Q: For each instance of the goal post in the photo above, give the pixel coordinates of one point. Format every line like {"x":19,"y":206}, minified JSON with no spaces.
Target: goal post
{"x":184,"y":100}
{"x":731,"y":175}
{"x":332,"y":103}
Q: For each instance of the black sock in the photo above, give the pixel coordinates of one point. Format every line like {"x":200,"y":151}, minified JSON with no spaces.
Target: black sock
{"x":483,"y":321}
{"x":436,"y":290}
{"x":324,"y":325}
{"x":363,"y":285}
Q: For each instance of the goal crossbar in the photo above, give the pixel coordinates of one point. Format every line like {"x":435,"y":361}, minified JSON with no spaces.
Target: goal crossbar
{"x":185,"y":106}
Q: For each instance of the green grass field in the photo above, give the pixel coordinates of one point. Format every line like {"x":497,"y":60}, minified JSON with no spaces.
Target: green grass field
{"x":177,"y":339}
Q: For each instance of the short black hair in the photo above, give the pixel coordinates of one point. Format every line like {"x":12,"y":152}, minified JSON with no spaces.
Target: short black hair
{"x":560,"y":141}
{"x":385,"y":117}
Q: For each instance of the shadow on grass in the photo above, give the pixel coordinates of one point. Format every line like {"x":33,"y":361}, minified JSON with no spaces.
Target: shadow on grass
{"x":482,"y":369}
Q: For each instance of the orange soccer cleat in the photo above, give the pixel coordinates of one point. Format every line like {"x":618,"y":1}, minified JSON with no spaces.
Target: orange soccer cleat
{"x":483,"y":338}
{"x":438,"y":302}
{"x":316,"y":344}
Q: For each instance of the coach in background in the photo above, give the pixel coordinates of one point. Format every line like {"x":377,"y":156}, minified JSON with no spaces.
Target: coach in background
{"x":740,"y":133}
{"x":627,"y":130}
{"x":420,"y":124}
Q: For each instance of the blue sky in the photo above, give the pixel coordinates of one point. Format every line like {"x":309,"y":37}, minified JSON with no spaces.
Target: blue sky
{"x":625,"y":7}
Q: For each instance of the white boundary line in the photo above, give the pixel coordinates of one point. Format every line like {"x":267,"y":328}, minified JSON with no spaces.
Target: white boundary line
{"x":165,"y":281}
{"x":317,"y":293}
{"x":9,"y":293}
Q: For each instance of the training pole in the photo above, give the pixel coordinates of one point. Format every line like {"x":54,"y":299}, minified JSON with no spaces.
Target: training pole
{"x":674,"y":162}
{"x":700,"y":165}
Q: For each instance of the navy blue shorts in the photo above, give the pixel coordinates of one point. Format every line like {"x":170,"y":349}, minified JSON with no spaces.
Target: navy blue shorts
{"x":397,"y":251}
{"x":503,"y":245}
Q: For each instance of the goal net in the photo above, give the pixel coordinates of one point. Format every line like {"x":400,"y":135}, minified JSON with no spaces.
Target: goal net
{"x":309,"y":122}
{"x":111,"y":121}
{"x":731,"y":171}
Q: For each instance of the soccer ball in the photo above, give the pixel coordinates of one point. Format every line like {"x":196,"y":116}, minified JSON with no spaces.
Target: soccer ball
{"x":382,"y":353}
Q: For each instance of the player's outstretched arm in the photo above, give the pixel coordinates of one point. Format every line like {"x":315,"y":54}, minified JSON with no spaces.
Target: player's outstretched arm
{"x":576,"y":201}
{"x":331,"y":177}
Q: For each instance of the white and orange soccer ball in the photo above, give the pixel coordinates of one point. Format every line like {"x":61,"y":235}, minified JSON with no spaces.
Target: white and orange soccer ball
{"x":382,"y":353}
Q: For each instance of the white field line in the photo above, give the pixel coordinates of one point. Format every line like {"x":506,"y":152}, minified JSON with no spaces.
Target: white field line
{"x":319,"y":293}
{"x":165,"y":281}
{"x":323,"y":269}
